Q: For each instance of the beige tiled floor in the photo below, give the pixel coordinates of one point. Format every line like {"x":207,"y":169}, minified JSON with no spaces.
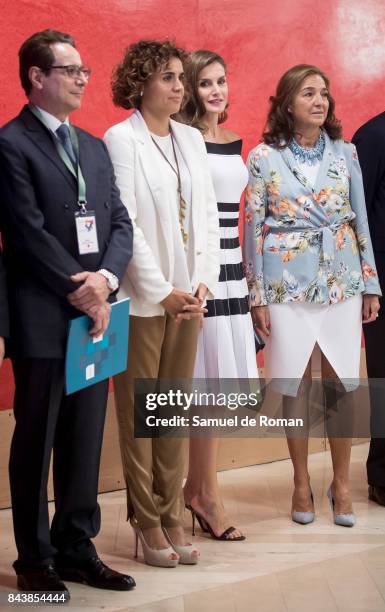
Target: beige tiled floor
{"x":281,"y":566}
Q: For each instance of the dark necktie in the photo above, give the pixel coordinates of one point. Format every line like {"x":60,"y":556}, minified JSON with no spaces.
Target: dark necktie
{"x":63,"y":133}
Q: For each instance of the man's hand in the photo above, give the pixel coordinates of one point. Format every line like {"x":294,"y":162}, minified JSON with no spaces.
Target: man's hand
{"x":261,"y":319}
{"x":93,"y":292}
{"x":2,"y":350}
{"x":101,"y":318}
{"x":181,"y":305}
{"x":370,"y":308}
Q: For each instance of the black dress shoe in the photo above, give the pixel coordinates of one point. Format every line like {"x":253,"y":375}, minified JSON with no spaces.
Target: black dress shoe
{"x":44,"y":580}
{"x":377,"y":494}
{"x":96,"y":574}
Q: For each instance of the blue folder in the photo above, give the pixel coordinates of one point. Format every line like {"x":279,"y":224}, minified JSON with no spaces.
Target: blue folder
{"x":90,"y":360}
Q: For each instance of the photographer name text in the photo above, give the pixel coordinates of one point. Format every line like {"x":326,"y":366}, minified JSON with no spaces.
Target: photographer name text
{"x":233,"y":421}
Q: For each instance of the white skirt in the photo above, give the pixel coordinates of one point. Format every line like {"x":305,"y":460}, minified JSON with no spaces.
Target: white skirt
{"x":297,"y":327}
{"x":226,"y":348}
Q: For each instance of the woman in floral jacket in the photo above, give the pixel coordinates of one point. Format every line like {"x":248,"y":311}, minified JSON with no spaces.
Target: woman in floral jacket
{"x":309,"y":261}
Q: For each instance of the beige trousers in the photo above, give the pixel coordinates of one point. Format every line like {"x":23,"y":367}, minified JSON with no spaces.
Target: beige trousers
{"x":153,"y":467}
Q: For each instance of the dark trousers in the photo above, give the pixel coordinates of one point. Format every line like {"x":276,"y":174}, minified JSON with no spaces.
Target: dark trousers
{"x":72,"y":427}
{"x":375,"y":359}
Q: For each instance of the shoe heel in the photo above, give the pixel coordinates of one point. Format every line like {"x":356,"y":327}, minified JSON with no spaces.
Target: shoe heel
{"x":330,"y":498}
{"x":344,"y":520}
{"x":193,"y":522}
{"x":136,"y":544}
{"x":190,"y":509}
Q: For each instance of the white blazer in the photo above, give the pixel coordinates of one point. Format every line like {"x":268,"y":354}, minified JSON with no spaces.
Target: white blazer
{"x":136,"y":163}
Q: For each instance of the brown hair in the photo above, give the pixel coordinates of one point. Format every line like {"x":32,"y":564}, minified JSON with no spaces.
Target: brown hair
{"x":37,"y":51}
{"x":194,"y":109}
{"x":279,"y":129}
{"x":140,"y":61}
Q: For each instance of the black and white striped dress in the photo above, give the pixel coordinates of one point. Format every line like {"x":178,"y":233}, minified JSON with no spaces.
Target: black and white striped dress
{"x":226,"y":342}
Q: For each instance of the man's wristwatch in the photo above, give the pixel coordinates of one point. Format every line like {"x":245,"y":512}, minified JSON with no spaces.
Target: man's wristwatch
{"x":112,"y":280}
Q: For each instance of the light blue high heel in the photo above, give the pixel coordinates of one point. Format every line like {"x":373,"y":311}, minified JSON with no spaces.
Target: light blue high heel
{"x":304,"y":518}
{"x":345,"y":520}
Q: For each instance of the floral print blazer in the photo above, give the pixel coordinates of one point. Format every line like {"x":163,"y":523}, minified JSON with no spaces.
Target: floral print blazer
{"x":305,"y":244}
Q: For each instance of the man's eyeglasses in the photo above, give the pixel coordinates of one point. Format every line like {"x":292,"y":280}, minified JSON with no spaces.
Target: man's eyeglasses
{"x":73,"y":71}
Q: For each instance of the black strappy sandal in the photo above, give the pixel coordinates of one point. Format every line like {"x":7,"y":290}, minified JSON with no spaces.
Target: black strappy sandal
{"x":206,"y":527}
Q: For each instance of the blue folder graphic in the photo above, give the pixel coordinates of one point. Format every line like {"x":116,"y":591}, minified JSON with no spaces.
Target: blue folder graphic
{"x":90,"y":360}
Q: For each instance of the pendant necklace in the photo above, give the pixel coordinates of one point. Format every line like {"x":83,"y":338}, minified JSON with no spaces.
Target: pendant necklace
{"x":181,"y":201}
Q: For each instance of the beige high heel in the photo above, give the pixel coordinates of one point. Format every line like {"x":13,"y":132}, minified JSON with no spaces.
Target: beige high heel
{"x":152,"y":556}
{"x":188,"y":554}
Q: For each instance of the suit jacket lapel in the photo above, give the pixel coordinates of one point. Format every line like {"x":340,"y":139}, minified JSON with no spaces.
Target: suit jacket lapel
{"x":86,"y":161}
{"x":153,"y":174}
{"x":150,"y":166}
{"x":43,"y":139}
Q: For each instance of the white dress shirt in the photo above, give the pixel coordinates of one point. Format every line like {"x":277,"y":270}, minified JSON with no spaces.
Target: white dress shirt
{"x":52,"y":122}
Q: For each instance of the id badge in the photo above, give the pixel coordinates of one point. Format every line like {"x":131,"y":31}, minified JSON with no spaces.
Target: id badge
{"x":86,"y":232}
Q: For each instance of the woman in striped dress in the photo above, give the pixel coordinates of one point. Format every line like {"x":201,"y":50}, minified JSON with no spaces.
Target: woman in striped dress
{"x":226,"y":343}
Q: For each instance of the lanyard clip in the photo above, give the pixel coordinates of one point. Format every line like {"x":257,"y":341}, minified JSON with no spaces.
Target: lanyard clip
{"x":83,"y":206}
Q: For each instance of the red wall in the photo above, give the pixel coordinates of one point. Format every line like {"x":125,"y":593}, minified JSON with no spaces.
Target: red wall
{"x":259,"y":39}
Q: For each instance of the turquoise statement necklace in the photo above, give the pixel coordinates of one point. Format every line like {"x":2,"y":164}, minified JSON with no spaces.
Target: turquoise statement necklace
{"x":308,"y":156}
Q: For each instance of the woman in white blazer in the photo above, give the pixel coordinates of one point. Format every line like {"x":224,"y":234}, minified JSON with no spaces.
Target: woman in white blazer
{"x":162,"y":173}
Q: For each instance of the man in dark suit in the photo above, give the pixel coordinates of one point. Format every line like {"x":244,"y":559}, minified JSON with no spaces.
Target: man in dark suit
{"x":4,"y":324}
{"x":370,"y":143}
{"x":54,"y":274}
